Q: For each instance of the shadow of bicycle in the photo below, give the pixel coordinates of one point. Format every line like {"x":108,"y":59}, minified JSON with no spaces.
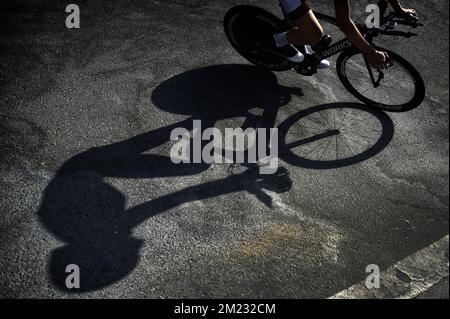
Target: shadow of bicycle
{"x":326,"y":136}
{"x":90,"y":216}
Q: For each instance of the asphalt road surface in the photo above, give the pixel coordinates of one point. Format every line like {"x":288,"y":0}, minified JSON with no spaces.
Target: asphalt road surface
{"x":85,"y":177}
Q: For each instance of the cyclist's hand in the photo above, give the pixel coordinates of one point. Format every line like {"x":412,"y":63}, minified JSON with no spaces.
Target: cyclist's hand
{"x":378,"y":59}
{"x":408,"y":14}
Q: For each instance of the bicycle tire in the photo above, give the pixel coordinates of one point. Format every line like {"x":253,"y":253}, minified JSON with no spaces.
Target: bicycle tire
{"x":419,"y":85}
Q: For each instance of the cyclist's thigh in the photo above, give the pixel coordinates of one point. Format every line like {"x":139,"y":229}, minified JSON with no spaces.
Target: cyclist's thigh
{"x":309,"y":22}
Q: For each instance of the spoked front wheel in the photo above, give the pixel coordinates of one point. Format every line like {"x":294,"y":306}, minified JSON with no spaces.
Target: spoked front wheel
{"x":399,"y":88}
{"x":250,"y":31}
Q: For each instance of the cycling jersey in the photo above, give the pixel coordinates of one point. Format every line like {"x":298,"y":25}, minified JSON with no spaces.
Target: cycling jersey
{"x":295,"y":9}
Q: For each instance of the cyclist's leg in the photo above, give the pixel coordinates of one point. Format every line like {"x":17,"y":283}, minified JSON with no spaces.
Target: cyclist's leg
{"x":290,"y":7}
{"x":308,"y":30}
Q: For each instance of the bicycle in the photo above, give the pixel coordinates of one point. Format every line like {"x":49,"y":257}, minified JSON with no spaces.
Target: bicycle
{"x":250,"y":30}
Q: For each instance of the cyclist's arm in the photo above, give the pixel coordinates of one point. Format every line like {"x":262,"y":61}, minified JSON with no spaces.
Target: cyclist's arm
{"x":410,"y":14}
{"x":346,"y":24}
{"x":396,"y":5}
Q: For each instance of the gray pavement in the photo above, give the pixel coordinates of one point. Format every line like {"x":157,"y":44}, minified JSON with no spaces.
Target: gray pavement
{"x":439,"y":291}
{"x":85,"y":177}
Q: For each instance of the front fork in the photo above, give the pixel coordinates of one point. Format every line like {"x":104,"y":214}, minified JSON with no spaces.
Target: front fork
{"x":375,"y":81}
{"x":376,"y":78}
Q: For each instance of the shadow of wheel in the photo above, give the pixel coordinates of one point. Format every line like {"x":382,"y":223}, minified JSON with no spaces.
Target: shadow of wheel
{"x":334,"y":135}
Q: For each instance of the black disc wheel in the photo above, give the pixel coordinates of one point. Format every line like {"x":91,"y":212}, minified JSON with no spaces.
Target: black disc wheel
{"x":250,"y":30}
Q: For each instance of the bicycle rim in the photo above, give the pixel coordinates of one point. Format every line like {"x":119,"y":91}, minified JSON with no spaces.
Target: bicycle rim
{"x":400,"y":88}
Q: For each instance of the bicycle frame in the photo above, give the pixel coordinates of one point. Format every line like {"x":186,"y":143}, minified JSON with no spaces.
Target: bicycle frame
{"x":250,"y":30}
{"x":313,"y":60}
{"x":335,"y":48}
{"x":309,"y":66}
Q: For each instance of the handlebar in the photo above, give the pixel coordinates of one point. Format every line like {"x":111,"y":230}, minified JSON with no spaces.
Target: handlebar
{"x":395,"y":18}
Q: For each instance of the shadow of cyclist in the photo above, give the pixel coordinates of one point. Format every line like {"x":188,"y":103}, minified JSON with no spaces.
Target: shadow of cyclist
{"x":90,"y":216}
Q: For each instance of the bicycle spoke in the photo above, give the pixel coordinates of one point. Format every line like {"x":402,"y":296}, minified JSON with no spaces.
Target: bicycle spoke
{"x":328,"y":144}
{"x":343,"y":119}
{"x":354,"y":139}
{"x":350,"y":120}
{"x":315,"y":148}
{"x":336,"y":157}
{"x":346,"y":145}
{"x":354,"y":121}
{"x":326,"y":121}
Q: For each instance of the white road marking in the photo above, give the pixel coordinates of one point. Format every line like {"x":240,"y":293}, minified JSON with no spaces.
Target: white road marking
{"x":408,"y":278}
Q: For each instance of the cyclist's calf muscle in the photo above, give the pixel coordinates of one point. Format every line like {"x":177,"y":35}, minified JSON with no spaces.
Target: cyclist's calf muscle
{"x":309,"y":22}
{"x":300,"y":13}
